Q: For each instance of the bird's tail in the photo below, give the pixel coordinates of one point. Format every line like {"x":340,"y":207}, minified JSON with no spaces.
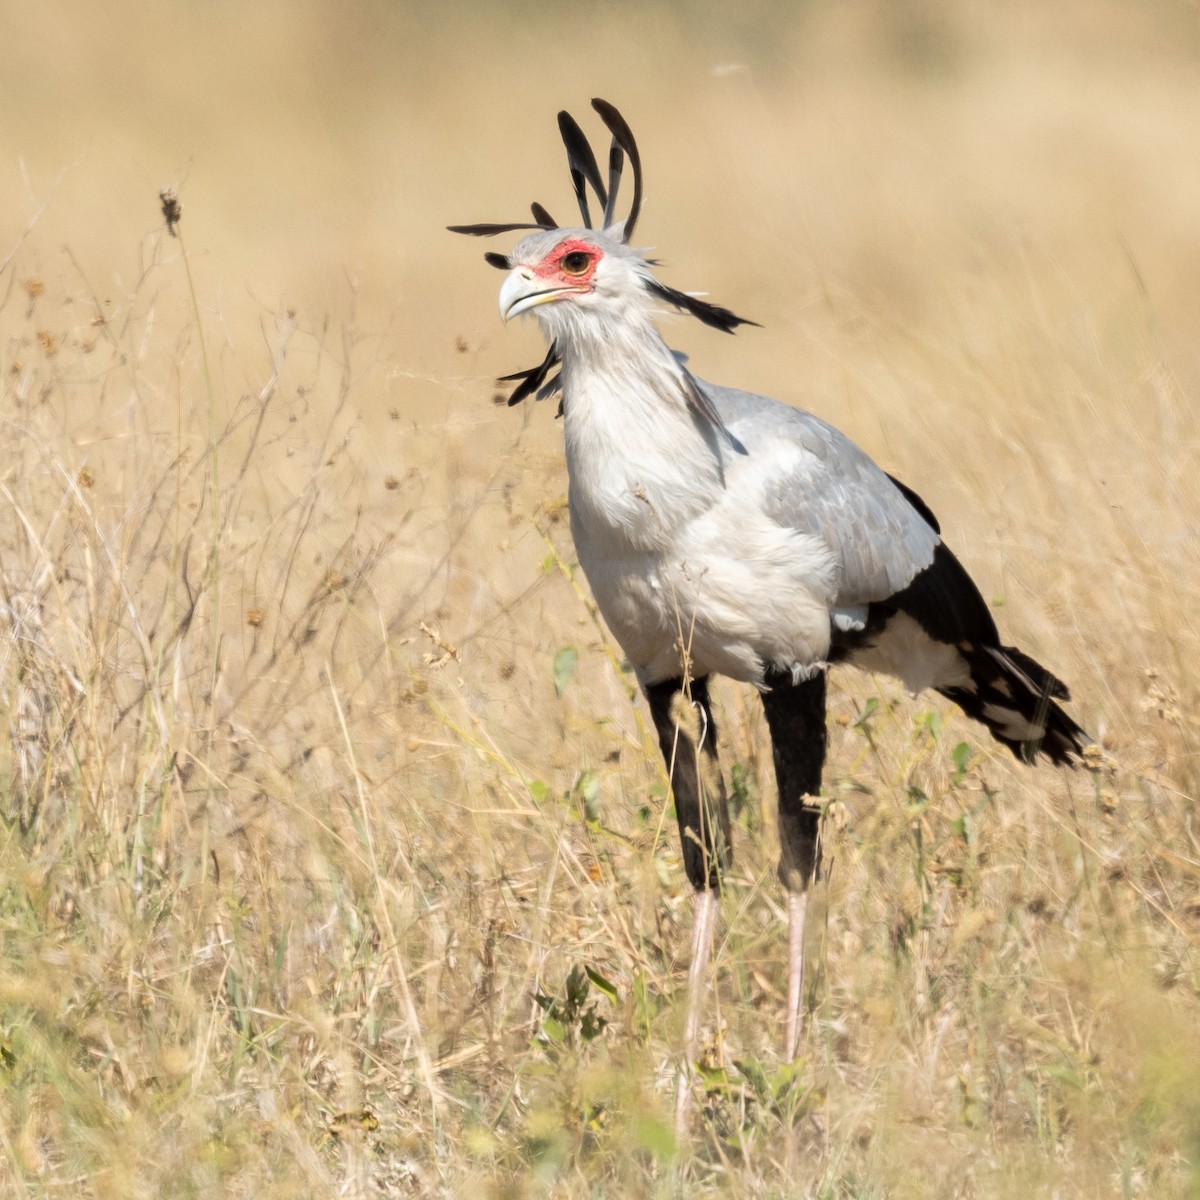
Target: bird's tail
{"x":1014,"y":696}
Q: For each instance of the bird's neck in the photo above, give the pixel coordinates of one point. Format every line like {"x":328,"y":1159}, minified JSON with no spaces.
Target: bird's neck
{"x":615,"y":353}
{"x":621,"y":379}
{"x":632,"y":439}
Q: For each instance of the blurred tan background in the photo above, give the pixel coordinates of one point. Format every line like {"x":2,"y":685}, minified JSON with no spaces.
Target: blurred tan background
{"x":794,"y":153}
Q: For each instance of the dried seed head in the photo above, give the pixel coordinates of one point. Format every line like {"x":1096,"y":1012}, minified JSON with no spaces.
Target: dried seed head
{"x":1094,"y":759}
{"x":172,"y":210}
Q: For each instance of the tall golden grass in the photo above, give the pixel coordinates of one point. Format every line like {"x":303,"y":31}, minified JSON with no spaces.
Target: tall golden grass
{"x":335,"y":858}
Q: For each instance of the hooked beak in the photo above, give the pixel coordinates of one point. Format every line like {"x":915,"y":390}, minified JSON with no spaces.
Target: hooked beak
{"x":522,"y":290}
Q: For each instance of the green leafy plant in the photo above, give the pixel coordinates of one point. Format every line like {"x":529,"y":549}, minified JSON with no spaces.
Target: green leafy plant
{"x":572,"y":1020}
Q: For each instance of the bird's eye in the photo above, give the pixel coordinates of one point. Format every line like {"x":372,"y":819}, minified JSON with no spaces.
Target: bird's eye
{"x":576,"y":262}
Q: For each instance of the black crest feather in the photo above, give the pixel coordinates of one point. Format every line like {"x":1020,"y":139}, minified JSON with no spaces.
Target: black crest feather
{"x":581,"y":162}
{"x":534,"y":378}
{"x":710,"y":314}
{"x":491,"y":230}
{"x":622,"y":141}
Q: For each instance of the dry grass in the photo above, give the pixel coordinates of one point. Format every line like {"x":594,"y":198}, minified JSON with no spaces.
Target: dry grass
{"x":322,"y":790}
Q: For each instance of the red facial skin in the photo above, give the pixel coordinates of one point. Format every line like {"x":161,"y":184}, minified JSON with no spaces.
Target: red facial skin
{"x":550,"y":267}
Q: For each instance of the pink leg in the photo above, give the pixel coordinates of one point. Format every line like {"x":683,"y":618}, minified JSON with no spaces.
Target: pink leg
{"x":703,"y":919}
{"x":797,"y":907}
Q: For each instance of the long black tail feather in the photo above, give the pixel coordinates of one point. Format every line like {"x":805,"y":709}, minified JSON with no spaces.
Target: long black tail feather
{"x":1010,"y":693}
{"x":1015,"y":697}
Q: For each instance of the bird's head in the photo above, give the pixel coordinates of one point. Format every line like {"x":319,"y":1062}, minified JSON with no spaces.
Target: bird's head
{"x":573,"y":279}
{"x":578,"y":282}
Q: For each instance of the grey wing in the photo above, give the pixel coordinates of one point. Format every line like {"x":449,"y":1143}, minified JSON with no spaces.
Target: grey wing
{"x":819,"y":482}
{"x":906,"y":603}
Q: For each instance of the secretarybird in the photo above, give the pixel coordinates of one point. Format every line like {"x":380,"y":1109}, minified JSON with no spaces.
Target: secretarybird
{"x":726,"y":533}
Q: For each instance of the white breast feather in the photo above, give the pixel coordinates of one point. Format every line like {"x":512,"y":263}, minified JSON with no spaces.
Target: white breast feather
{"x":672,"y":533}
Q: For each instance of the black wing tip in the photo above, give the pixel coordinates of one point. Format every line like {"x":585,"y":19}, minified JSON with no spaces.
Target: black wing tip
{"x":923,"y":510}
